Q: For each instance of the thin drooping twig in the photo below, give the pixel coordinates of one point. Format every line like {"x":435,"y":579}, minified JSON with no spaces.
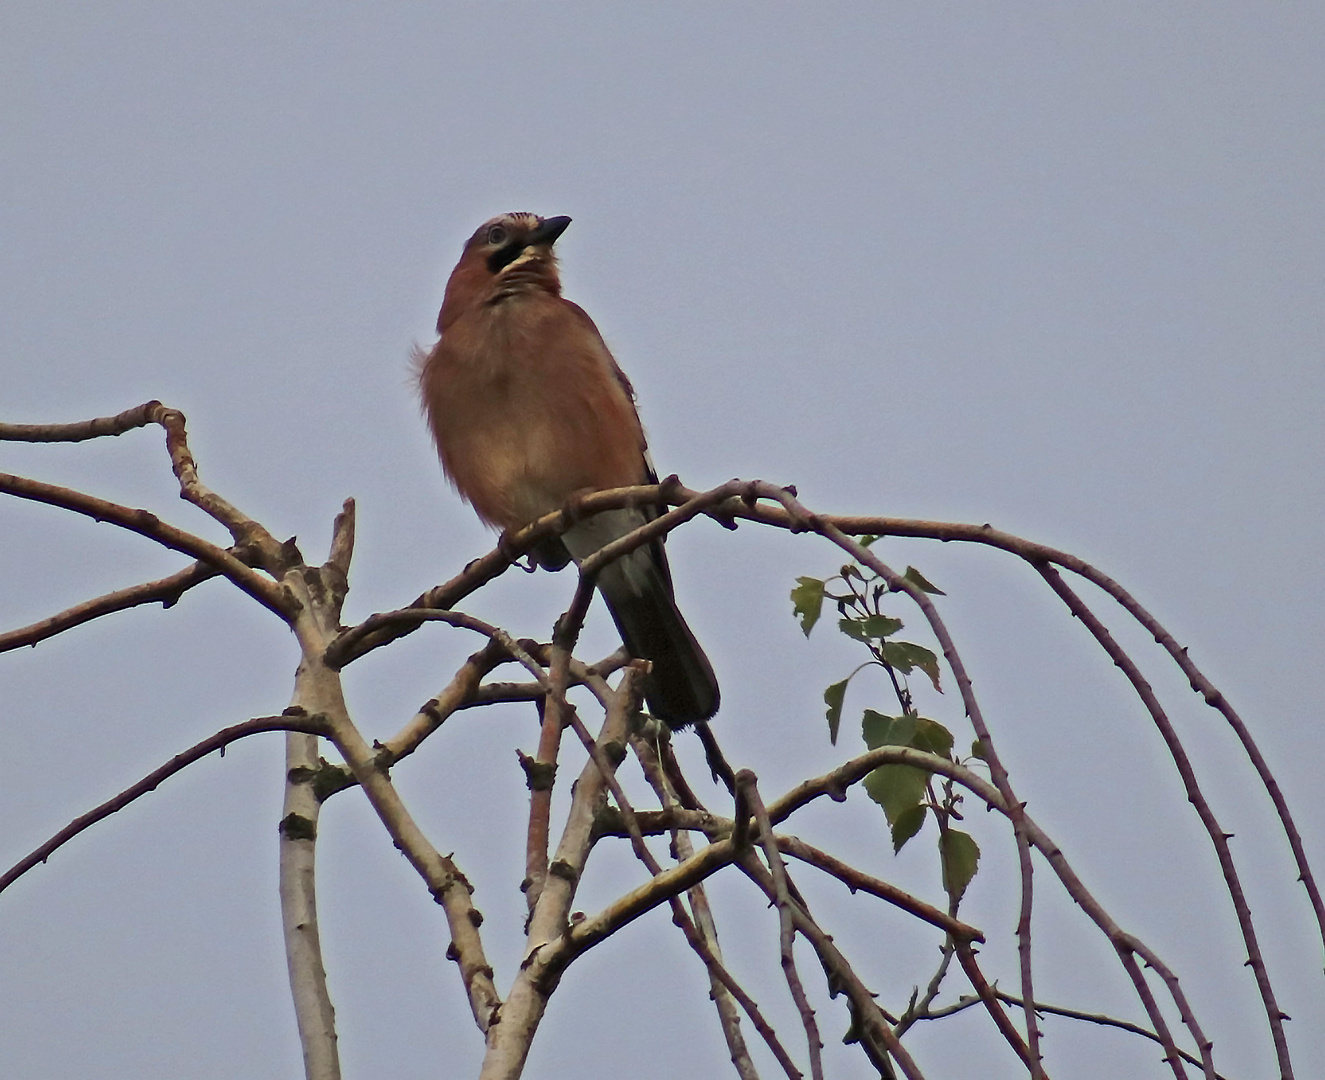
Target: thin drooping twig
{"x":1126,"y":946}
{"x":680,"y":916}
{"x":985,"y":993}
{"x":858,"y":881}
{"x":165,"y":591}
{"x":899,"y":583}
{"x":147,"y":524}
{"x":1027,"y":875}
{"x":1218,"y":837}
{"x":729,"y":1015}
{"x":682,"y":848}
{"x":747,"y":787}
{"x":152,"y":780}
{"x":869,"y":1021}
{"x":966,"y":1001}
{"x":1036,"y":554}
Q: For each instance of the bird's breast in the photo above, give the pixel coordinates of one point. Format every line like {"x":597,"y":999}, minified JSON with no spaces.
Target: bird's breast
{"x":526,"y":412}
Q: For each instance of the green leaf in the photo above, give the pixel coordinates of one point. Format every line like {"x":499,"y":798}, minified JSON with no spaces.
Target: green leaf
{"x":917,"y":578}
{"x":874,"y":728}
{"x":897,"y":788}
{"x":961,"y":856}
{"x":870,"y":628}
{"x":807,"y":600}
{"x":833,"y":699}
{"x":879,"y":730}
{"x":978,"y":750}
{"x":908,"y":823}
{"x":932,"y":737}
{"x":905,"y":655}
{"x":866,"y":540}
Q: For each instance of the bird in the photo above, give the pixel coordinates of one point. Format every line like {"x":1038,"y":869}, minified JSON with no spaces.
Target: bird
{"x":529,"y":410}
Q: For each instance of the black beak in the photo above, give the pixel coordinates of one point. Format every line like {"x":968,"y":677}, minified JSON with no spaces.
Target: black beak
{"x":548,"y":231}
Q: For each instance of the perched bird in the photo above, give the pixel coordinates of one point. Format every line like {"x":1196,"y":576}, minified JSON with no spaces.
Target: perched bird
{"x":528,"y":408}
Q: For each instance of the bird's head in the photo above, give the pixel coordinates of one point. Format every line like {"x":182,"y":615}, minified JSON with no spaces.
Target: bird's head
{"x":506,"y":255}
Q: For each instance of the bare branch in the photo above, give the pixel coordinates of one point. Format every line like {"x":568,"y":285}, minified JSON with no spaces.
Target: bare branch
{"x":147,"y":524}
{"x":540,"y":776}
{"x":523,"y":1010}
{"x":985,"y":993}
{"x":315,"y":625}
{"x":1197,"y":798}
{"x":738,"y":499}
{"x":1027,"y":874}
{"x":314,"y":1015}
{"x":922,"y":1009}
{"x":858,"y":881}
{"x":729,"y":1016}
{"x":342,"y":539}
{"x":242,"y":528}
{"x":1038,"y":554}
{"x":165,"y":591}
{"x":138,"y":416}
{"x":372,"y":634}
{"x":574,"y":943}
{"x":152,"y":780}
{"x":747,"y":787}
{"x":458,"y":693}
{"x":869,"y":1022}
{"x":1127,"y":947}
{"x":967,"y":1000}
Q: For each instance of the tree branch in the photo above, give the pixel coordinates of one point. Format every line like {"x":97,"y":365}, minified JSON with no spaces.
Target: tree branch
{"x":138,"y":416}
{"x":729,"y":1016}
{"x":967,"y":1000}
{"x":262,"y":589}
{"x":1197,"y":798}
{"x":747,"y":786}
{"x":166,"y":591}
{"x":315,"y":626}
{"x":152,"y":780}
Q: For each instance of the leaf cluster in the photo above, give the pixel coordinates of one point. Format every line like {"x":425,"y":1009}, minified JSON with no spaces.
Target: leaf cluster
{"x":907,"y":794}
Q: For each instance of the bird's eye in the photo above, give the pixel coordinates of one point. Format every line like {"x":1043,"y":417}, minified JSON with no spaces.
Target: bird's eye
{"x":497,"y":234}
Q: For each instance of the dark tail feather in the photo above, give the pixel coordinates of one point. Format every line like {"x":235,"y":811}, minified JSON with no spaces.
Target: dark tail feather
{"x":682,"y":688}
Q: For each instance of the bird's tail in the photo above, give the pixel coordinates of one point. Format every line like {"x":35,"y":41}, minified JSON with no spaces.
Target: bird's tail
{"x":682,"y":688}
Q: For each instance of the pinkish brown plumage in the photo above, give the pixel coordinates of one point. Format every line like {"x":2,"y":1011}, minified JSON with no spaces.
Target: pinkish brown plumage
{"x":528,"y":408}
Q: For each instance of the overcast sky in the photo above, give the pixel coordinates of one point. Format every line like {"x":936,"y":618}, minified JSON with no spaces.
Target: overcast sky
{"x":1058,"y":270}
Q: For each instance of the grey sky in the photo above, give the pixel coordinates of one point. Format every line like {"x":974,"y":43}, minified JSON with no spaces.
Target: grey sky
{"x":1058,"y":270}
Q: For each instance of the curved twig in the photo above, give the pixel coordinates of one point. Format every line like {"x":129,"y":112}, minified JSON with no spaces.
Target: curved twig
{"x":166,"y":591}
{"x":219,"y":741}
{"x":1197,"y":798}
{"x":261,"y":588}
{"x":967,"y":1001}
